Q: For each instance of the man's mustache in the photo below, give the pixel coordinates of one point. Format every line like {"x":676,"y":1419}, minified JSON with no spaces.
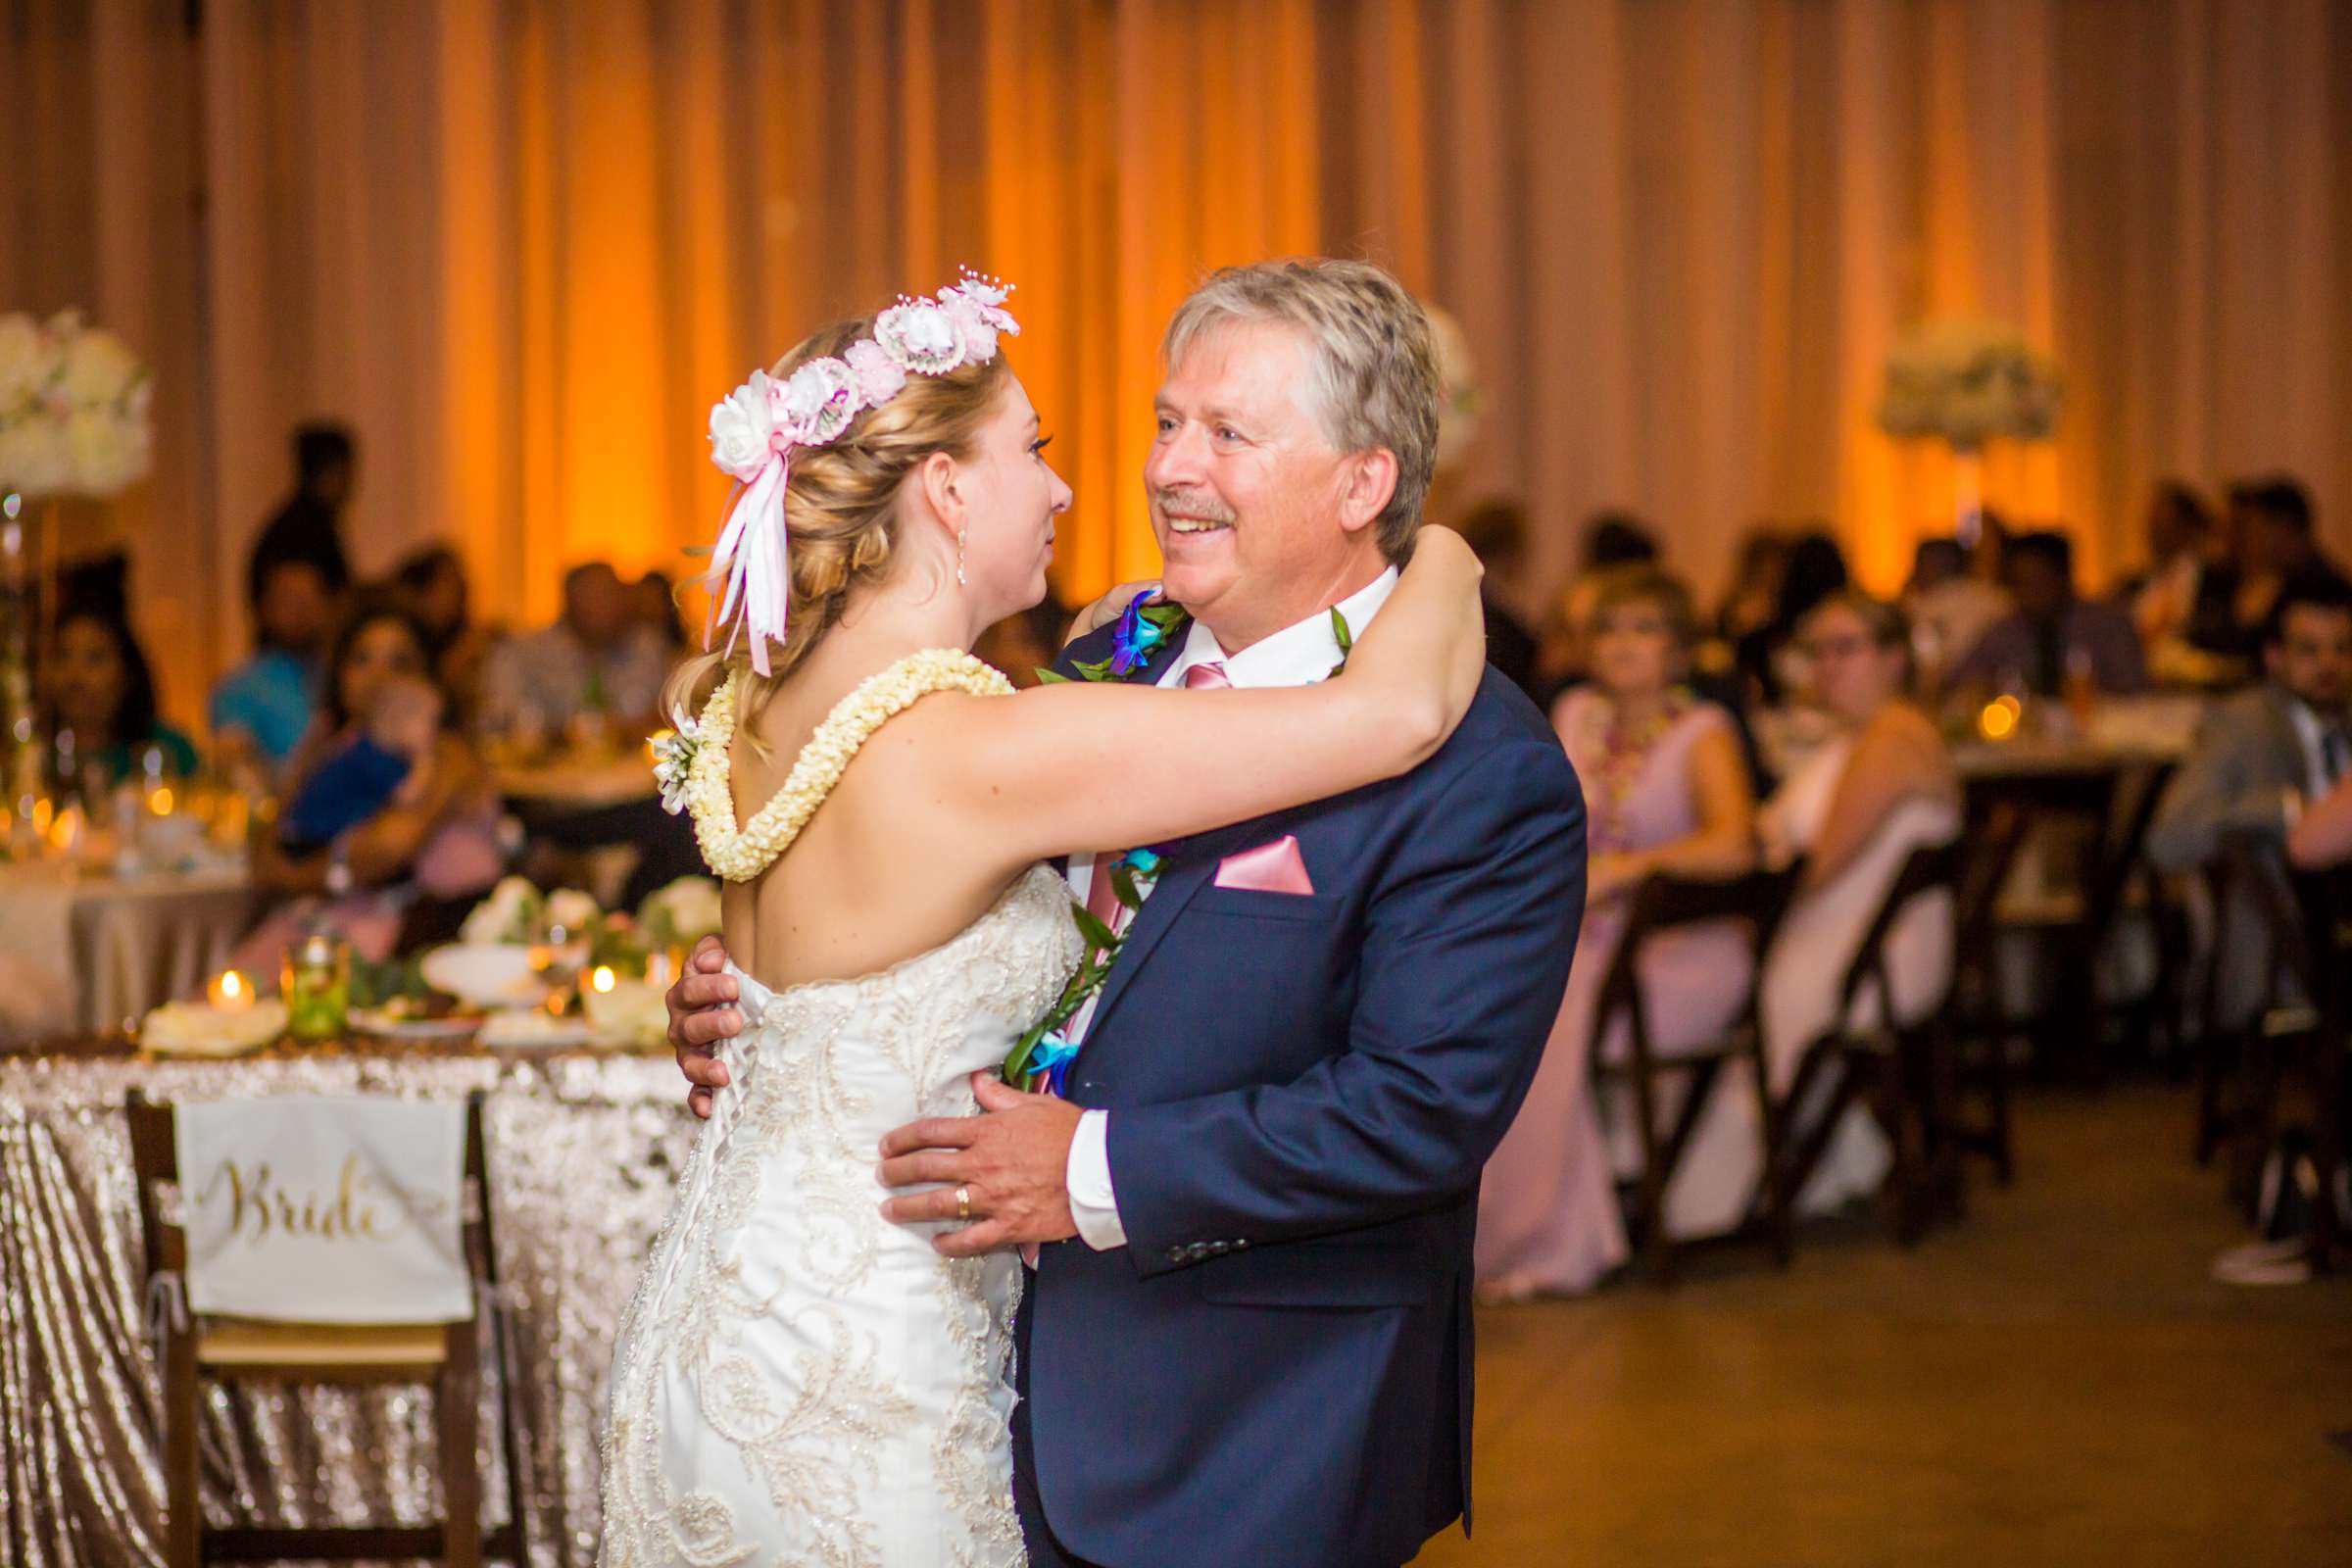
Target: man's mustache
{"x":1198,"y":504}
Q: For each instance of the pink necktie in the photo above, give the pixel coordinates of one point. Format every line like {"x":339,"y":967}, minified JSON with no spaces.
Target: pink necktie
{"x":1102,"y":900}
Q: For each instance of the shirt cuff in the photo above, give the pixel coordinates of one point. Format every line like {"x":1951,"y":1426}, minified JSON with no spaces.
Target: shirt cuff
{"x":1093,"y":1202}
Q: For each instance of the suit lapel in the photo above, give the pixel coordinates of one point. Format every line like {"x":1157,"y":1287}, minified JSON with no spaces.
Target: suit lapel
{"x":2287,"y":741}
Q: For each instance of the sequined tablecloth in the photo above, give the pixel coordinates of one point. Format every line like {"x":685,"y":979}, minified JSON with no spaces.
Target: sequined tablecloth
{"x":582,"y":1154}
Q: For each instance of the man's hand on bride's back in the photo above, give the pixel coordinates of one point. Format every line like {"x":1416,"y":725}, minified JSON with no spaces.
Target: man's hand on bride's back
{"x":701,"y":1013}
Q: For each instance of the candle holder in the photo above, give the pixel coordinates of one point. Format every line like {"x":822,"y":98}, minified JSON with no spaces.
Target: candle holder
{"x":318,"y":988}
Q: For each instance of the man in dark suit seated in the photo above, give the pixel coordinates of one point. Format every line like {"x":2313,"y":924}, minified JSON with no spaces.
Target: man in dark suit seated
{"x":2053,"y":636}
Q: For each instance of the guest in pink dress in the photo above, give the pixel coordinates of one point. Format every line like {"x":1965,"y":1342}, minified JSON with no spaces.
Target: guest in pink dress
{"x":435,"y":835}
{"x":1665,"y":790}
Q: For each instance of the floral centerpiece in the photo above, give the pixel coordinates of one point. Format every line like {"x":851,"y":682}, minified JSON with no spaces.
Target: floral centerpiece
{"x":679,"y":914}
{"x":74,"y":409}
{"x":1970,"y":382}
{"x":74,"y":422}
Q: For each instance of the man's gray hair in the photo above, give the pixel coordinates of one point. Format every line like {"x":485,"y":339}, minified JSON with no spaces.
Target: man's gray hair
{"x":1376,"y":365}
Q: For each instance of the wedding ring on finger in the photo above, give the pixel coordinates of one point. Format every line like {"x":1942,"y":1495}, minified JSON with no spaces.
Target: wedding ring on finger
{"x":964,"y":1204}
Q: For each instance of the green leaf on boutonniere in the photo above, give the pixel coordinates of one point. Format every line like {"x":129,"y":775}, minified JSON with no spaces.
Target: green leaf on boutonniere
{"x":1122,"y":883}
{"x":1097,"y":669}
{"x":1340,"y":631}
{"x":1098,"y":935}
{"x":1047,"y":677}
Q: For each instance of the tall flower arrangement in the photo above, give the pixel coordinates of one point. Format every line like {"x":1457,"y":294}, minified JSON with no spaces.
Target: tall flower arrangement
{"x":1970,"y":382}
{"x":74,"y":409}
{"x":74,"y":422}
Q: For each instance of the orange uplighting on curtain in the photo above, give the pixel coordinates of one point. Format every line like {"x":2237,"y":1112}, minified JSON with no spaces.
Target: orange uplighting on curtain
{"x":522,"y":248}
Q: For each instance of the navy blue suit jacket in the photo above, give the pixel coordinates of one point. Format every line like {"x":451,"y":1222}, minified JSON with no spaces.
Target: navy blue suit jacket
{"x":1302,"y":1091}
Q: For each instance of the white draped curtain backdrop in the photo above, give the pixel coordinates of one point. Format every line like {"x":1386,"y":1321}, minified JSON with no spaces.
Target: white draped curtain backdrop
{"x":522,"y":245}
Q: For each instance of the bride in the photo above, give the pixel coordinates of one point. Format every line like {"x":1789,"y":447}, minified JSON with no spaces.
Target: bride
{"x":798,"y":1379}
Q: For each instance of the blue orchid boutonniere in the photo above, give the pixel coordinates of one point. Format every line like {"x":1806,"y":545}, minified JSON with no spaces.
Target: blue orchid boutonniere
{"x":1040,"y":1060}
{"x":1142,"y":628}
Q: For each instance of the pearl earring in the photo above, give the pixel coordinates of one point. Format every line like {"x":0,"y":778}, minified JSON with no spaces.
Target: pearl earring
{"x":960,"y":578}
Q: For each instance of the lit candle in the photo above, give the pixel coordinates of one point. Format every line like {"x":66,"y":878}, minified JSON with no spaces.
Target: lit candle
{"x":231,"y":992}
{"x":602,"y":979}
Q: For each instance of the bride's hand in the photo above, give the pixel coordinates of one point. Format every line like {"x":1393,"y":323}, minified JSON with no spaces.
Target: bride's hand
{"x":1107,"y":608}
{"x":1429,"y":644}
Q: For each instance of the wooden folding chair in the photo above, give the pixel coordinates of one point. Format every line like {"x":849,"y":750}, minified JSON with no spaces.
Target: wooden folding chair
{"x":2296,"y":1035}
{"x":442,"y":1356}
{"x":1907,"y":1065}
{"x":2110,"y":809}
{"x":1663,"y":903}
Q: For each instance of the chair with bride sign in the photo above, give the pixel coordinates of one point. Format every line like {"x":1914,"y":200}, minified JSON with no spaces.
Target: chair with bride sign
{"x":313,"y":1239}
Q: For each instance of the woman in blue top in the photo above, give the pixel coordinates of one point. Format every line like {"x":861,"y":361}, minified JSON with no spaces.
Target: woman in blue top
{"x":99,"y":697}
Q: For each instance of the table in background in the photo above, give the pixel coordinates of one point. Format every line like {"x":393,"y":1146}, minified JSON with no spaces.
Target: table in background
{"x":82,"y":948}
{"x":583,"y":1155}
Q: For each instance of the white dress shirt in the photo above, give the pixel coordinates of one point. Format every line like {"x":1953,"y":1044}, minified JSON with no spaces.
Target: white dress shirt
{"x":1299,"y":655}
{"x":2314,"y":732}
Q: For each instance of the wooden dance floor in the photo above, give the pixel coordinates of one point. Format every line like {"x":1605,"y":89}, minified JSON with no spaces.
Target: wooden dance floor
{"x":2054,"y":1382}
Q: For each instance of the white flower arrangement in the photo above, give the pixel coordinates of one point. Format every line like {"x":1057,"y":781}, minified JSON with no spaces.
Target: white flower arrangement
{"x":571,"y":910}
{"x":681,"y":913}
{"x":512,"y":913}
{"x":74,"y":409}
{"x":1969,"y":382}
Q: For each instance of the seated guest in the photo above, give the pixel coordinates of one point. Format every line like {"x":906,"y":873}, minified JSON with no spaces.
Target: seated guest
{"x":2183,"y":597}
{"x":433,"y":588}
{"x":1498,"y":533}
{"x":1666,"y":790}
{"x":1612,"y":539}
{"x":98,"y":696}
{"x":1950,"y":609}
{"x":387,"y":808}
{"x":2271,"y":531}
{"x":655,"y":599}
{"x":1855,"y":809}
{"x":1755,"y":583}
{"x":2052,"y":636}
{"x":598,"y":660}
{"x":2261,"y":755}
{"x":265,"y":704}
{"x":1814,"y":570}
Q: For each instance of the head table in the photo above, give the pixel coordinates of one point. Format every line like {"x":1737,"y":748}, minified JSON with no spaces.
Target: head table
{"x":583,"y":1147}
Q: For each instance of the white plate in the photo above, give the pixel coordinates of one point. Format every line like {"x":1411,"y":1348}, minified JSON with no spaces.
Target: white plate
{"x":533,"y":1031}
{"x":488,"y":974}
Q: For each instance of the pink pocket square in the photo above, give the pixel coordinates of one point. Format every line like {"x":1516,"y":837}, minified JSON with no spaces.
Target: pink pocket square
{"x":1274,"y":867}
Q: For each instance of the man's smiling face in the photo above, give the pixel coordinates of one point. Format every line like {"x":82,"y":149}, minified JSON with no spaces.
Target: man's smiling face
{"x":1246,"y":485}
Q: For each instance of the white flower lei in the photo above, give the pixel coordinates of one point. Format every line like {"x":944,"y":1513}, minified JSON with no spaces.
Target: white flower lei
{"x":741,"y":853}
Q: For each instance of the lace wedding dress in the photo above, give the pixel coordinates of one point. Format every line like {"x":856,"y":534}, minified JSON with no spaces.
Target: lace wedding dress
{"x":798,"y":1379}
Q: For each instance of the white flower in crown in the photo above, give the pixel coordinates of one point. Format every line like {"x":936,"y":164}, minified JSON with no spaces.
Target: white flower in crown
{"x":743,"y":428}
{"x":673,"y":760}
{"x":819,"y":401}
{"x":918,"y":335}
{"x":977,"y":307}
{"x":879,"y":378}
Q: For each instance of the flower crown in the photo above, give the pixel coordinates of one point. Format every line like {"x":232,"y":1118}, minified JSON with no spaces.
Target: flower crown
{"x":755,"y":430}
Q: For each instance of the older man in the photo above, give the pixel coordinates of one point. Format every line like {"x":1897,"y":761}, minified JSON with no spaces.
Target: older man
{"x":1257,"y":1350}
